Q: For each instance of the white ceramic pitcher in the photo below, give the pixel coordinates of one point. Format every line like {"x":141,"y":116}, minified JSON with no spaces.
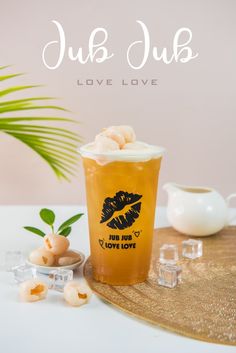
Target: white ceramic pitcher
{"x":197,"y":211}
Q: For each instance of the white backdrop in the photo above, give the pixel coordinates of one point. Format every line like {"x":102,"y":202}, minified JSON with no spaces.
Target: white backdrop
{"x":191,"y":111}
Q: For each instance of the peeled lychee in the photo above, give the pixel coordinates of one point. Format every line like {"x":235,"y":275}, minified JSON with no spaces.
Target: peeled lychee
{"x":33,"y":290}
{"x":56,"y":244}
{"x":76,"y":294}
{"x":105,"y":144}
{"x":115,"y":134}
{"x":41,"y":257}
{"x":128,"y":133}
{"x":68,"y":258}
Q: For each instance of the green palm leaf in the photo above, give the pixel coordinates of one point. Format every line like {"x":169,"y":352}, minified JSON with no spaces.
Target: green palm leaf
{"x":57,"y":146}
{"x":6,"y":91}
{"x":6,"y":77}
{"x":25,"y":100}
{"x":18,"y":107}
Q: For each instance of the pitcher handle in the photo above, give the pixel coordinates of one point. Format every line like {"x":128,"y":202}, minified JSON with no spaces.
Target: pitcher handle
{"x":228,"y":199}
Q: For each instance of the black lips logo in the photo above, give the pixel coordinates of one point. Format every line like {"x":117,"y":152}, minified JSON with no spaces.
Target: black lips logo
{"x":117,"y":203}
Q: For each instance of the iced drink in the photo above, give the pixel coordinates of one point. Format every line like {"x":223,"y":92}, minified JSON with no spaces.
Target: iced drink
{"x":121,"y":187}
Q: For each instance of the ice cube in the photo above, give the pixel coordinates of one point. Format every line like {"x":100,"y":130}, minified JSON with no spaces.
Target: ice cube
{"x":13,"y":259}
{"x":169,"y":254}
{"x":192,"y":248}
{"x":169,"y":275}
{"x":23,"y":273}
{"x":58,"y":278}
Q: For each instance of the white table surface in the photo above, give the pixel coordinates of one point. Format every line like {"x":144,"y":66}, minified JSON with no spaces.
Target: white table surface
{"x":50,"y":326}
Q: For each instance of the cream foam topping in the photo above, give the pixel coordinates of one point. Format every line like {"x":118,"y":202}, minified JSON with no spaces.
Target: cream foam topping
{"x":118,"y":143}
{"x":139,"y":155}
{"x":142,"y":154}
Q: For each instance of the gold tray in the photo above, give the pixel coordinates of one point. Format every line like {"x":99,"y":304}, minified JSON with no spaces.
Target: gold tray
{"x":202,"y":307}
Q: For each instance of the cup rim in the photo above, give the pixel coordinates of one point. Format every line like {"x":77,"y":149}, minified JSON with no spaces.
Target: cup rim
{"x":154,"y":152}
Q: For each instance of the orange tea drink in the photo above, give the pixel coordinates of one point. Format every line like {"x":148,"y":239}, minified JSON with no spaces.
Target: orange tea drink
{"x":121,"y":187}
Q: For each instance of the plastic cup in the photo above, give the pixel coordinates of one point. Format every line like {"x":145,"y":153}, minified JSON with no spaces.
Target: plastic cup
{"x":121,"y":202}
